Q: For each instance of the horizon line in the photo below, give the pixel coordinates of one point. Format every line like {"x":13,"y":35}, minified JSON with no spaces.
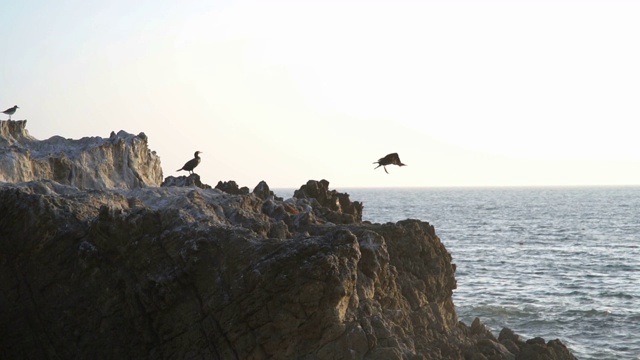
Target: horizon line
{"x":477,"y":186}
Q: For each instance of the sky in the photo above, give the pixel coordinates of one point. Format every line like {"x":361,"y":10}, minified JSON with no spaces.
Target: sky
{"x":469,"y":93}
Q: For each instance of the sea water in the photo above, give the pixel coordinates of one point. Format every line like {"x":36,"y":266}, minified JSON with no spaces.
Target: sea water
{"x":551,"y":262}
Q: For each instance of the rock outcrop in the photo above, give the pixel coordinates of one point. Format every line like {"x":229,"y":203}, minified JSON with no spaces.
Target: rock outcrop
{"x":121,"y":161}
{"x":191,"y":180}
{"x":194,"y":272}
{"x":338,"y":208}
{"x":232,"y":188}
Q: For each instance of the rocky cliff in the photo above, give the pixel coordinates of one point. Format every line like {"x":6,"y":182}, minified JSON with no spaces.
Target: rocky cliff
{"x":189,"y":271}
{"x":121,"y":161}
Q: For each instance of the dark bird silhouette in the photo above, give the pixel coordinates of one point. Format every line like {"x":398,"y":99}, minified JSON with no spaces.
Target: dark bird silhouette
{"x":191,"y":164}
{"x":11,"y":111}
{"x":391,"y":159}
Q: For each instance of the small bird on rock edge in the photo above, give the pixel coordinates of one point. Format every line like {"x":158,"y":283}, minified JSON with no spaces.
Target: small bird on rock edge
{"x":11,"y":111}
{"x":191,"y":164}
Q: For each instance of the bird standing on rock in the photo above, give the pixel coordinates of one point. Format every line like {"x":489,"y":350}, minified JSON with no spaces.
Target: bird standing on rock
{"x":11,"y":111}
{"x":191,"y":164}
{"x":391,"y":159}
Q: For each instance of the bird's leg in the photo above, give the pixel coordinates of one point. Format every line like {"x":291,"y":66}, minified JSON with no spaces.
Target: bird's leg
{"x":385,"y":169}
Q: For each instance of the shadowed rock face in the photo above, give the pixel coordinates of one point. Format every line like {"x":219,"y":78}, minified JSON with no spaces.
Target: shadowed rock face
{"x":121,"y":161}
{"x":171,"y":271}
{"x":191,"y":180}
{"x":232,"y":188}
{"x":186,"y":272}
{"x":337,"y":207}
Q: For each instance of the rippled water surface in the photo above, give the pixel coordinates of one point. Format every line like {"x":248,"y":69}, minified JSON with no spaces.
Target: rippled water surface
{"x":551,"y":262}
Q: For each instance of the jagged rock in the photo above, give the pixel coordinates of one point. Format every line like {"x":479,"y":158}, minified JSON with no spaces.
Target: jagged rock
{"x":534,"y":349}
{"x":191,"y":180}
{"x":510,"y":340}
{"x":263,"y":192}
{"x":491,"y":349}
{"x":14,"y":132}
{"x":508,"y":334}
{"x":120,"y":161}
{"x":479,"y":330}
{"x":231,"y":187}
{"x":111,"y":277}
{"x":334,"y":206}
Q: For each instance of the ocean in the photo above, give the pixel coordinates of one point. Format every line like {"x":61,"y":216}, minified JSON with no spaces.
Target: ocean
{"x":552,"y":262}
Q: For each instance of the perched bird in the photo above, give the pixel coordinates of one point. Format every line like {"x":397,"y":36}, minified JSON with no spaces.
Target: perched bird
{"x":391,"y":159}
{"x":11,"y":111}
{"x":191,"y":164}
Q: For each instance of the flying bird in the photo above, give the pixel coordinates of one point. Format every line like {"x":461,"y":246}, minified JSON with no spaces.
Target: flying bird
{"x":11,"y":111}
{"x":191,"y":164}
{"x":391,"y":159}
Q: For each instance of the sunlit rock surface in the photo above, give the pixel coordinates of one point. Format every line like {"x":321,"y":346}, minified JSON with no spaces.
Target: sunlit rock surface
{"x":122,"y":160}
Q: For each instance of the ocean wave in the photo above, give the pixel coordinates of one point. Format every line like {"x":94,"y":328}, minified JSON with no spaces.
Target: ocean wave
{"x":587,"y":313}
{"x":617,"y":294}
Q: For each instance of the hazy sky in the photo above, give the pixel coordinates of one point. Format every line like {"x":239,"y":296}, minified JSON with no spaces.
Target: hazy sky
{"x":469,"y":93}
